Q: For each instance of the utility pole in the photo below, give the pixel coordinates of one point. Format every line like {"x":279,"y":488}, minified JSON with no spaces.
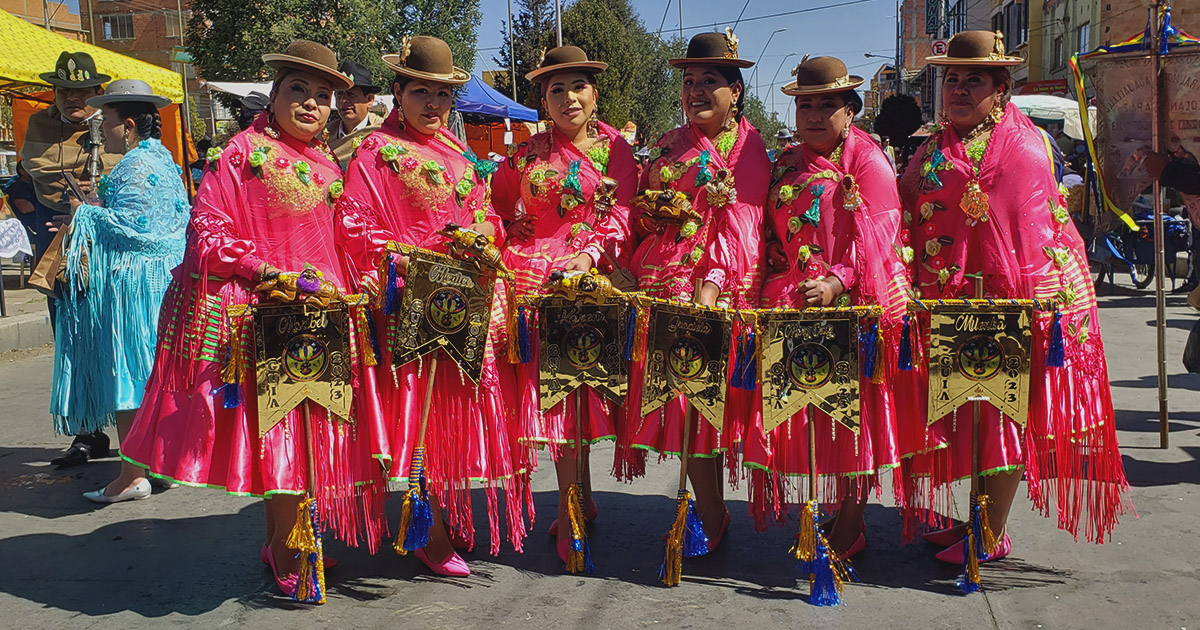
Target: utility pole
{"x":46,"y":14}
{"x":512,"y":59}
{"x":91,"y":23}
{"x":558,"y":19}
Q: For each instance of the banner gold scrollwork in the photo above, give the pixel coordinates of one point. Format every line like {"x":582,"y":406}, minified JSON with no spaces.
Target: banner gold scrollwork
{"x":301,"y":353}
{"x":810,"y":359}
{"x":581,"y":344}
{"x":447,"y":304}
{"x":687,"y":352}
{"x":980,"y":353}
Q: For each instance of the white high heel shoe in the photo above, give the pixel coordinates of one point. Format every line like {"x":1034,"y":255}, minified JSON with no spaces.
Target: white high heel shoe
{"x":140,"y":490}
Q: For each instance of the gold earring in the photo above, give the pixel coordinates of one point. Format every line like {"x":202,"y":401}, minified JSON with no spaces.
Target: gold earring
{"x":731,"y":124}
{"x":997,"y":112}
{"x":593,"y":125}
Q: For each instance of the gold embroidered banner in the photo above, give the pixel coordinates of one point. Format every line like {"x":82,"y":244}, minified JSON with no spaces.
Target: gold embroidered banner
{"x":809,"y":358}
{"x":447,"y":304}
{"x":582,"y":344}
{"x":301,"y":353}
{"x":687,"y":352}
{"x":980,"y":354}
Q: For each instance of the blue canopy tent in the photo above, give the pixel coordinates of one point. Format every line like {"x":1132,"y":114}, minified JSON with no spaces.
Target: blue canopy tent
{"x":480,"y":98}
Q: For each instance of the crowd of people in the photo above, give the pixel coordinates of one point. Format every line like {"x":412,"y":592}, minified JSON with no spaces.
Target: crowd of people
{"x":145,"y":339}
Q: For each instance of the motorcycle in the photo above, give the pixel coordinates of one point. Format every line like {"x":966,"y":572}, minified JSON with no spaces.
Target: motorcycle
{"x":1126,"y":250}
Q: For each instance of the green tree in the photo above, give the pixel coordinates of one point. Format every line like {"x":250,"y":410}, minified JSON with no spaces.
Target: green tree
{"x":227,"y":38}
{"x":532,"y":31}
{"x":767,"y":123}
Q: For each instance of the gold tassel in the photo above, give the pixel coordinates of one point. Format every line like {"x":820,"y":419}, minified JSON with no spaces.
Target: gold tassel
{"x":877,"y":377}
{"x":303,"y":539}
{"x":989,"y":537}
{"x":364,"y":337}
{"x":639,"y":338}
{"x":972,"y":576}
{"x":233,"y":368}
{"x":805,"y":549}
{"x":672,"y":571}
{"x":405,"y":521}
{"x":575,"y":559}
{"x":510,"y":292}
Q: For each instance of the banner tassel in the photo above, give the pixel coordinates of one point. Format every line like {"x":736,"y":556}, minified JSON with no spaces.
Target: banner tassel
{"x":1055,"y":349}
{"x":827,"y":573}
{"x":579,"y":558}
{"x":373,"y":336}
{"x":905,"y":360}
{"x":968,"y":582}
{"x":523,"y":341}
{"x":391,"y":293}
{"x":867,"y":342}
{"x":686,"y":538}
{"x":416,"y":516}
{"x":305,"y":538}
{"x":630,"y":330}
{"x":739,"y":363}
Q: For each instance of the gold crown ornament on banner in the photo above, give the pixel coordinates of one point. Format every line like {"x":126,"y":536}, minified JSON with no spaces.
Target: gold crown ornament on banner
{"x":979,"y":350}
{"x":810,"y":357}
{"x":687,"y":352}
{"x":582,"y":331}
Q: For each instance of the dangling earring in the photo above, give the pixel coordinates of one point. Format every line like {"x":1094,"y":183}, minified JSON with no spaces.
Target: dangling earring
{"x":270,"y":128}
{"x":731,"y":124}
{"x":997,"y":112}
{"x":593,"y":125}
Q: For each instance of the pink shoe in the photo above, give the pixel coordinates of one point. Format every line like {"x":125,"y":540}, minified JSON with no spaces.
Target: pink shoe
{"x":859,"y":544}
{"x":954,"y":553}
{"x":286,"y":585}
{"x":564,"y":548}
{"x":588,"y":517}
{"x":451,"y":566}
{"x":942,"y":537}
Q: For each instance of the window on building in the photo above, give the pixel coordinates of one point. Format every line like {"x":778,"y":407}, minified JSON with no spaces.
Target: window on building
{"x":185,"y":69}
{"x":118,"y":26}
{"x":1058,"y":58}
{"x":957,"y":16}
{"x":172,"y":18}
{"x":1085,"y":35}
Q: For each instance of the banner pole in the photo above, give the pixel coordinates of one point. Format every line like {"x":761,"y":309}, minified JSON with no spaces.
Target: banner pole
{"x":1159,"y":257}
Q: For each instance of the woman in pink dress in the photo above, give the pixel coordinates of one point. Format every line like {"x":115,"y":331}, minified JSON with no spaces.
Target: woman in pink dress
{"x":407,"y":181}
{"x":264,"y":207}
{"x":834,"y":218}
{"x":720,"y":162}
{"x":566,"y":195}
{"x":986,"y":215}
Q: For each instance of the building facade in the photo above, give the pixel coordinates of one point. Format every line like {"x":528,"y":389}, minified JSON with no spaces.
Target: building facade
{"x":54,"y":16}
{"x":1069,"y":27}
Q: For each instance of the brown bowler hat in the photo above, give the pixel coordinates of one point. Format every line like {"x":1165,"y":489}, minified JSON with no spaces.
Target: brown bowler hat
{"x":310,"y":57}
{"x":821,"y":75}
{"x":565,"y":59}
{"x":429,"y":58}
{"x":712,"y":49}
{"x":975,"y":48}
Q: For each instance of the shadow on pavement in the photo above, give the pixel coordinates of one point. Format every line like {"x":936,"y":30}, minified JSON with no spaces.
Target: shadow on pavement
{"x":1145,"y":474}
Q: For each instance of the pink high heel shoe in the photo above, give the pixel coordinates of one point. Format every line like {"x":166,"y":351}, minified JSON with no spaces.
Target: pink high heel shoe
{"x":954,"y":553}
{"x":286,"y":585}
{"x":451,"y":566}
{"x":716,"y":540}
{"x":856,"y":547}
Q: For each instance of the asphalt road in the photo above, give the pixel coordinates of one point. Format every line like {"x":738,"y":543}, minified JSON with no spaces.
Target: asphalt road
{"x":189,"y":557}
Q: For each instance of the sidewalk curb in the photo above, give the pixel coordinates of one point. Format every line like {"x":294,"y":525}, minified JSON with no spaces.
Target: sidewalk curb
{"x":26,"y":331}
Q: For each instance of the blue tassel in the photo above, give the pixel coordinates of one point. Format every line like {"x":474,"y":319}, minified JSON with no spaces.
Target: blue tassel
{"x":1055,"y":350}
{"x":823,"y":589}
{"x":578,"y":545}
{"x":750,"y":375}
{"x":968,"y":582}
{"x":233,"y":396}
{"x":417,"y":535}
{"x":374,"y":337}
{"x":630,"y":332}
{"x":739,"y":363}
{"x":695,"y":541}
{"x":391,"y":303}
{"x":866,"y":344}
{"x":523,"y":341}
{"x":906,"y":347}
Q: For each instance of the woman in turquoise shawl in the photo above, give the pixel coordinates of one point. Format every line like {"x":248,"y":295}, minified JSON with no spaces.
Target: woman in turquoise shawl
{"x":120,"y":254}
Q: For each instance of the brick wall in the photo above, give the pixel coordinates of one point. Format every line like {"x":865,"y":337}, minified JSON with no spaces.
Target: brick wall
{"x":1121,"y":19}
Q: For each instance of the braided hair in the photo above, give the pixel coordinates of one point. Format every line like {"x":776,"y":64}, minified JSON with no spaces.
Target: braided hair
{"x":146,"y":121}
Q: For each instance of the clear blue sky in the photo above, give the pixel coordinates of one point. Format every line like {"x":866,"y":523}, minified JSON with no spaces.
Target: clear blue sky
{"x":846,"y":32}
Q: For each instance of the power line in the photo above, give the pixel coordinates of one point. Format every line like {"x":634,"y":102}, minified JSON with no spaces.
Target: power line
{"x":739,"y":20}
{"x":775,"y":15}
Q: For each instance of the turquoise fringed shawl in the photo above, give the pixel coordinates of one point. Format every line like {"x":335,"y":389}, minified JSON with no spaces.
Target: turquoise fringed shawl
{"x":105,"y":329}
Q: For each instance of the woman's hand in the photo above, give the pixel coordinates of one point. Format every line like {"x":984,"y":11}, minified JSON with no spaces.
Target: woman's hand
{"x":485,"y":228}
{"x":75,"y":203}
{"x":776,"y":257}
{"x":522,"y":229}
{"x":581,"y":262}
{"x":822,"y":292}
{"x":265,"y":273}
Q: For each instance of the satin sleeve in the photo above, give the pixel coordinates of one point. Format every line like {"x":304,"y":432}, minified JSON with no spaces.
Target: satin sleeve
{"x":214,"y":236}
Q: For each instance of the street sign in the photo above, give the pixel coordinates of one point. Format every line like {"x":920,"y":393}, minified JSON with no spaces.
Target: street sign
{"x":933,"y":17}
{"x":938,"y":46}
{"x":180,"y":54}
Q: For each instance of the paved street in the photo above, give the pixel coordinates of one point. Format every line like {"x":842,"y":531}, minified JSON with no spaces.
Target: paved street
{"x":189,"y":557}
